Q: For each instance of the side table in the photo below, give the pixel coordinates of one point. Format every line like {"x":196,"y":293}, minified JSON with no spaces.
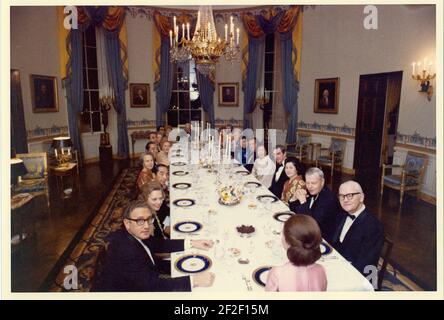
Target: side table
{"x":63,"y":174}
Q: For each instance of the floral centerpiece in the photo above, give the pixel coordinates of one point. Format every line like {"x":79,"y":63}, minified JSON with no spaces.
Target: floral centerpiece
{"x":230,"y":195}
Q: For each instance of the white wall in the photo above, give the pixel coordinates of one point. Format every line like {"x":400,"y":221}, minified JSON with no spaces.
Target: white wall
{"x":34,"y":50}
{"x":335,"y":44}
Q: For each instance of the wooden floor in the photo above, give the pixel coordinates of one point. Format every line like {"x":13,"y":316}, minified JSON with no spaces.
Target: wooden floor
{"x":412,"y":229}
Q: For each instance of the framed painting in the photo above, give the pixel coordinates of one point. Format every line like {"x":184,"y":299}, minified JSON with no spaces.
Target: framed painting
{"x":44,"y":94}
{"x":326,"y":99}
{"x":140,"y":95}
{"x":228,"y":94}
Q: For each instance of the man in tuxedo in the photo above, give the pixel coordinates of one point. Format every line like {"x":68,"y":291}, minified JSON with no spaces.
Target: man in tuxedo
{"x":131,"y":264}
{"x":280,"y":177}
{"x":319,"y":202}
{"x":359,"y":236}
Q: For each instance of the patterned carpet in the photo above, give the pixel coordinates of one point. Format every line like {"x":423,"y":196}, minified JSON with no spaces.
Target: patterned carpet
{"x":109,"y":218}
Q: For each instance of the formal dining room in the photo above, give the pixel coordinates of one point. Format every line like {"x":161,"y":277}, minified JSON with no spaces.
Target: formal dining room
{"x":234,"y":149}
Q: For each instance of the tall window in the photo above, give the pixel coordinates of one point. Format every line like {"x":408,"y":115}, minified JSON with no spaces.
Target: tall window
{"x":90,"y":116}
{"x":185,"y":104}
{"x":269,"y":74}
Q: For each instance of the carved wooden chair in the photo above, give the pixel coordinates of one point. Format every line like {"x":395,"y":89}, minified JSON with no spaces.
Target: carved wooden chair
{"x":299,"y":149}
{"x":410,"y":176}
{"x":333,"y":156}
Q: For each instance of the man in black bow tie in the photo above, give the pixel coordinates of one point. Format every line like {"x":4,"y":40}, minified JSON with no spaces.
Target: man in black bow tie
{"x":359,"y":236}
{"x":319,"y":202}
{"x":280,"y":177}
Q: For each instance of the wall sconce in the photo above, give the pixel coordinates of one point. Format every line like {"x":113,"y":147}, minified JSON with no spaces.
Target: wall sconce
{"x":424,"y":76}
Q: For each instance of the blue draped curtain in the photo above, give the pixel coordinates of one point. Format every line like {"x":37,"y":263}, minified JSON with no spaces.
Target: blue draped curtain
{"x":163,"y":87}
{"x":290,"y":86}
{"x":19,"y":139}
{"x":206,"y":92}
{"x":74,"y":88}
{"x":255,"y":50}
{"x":118,"y":83}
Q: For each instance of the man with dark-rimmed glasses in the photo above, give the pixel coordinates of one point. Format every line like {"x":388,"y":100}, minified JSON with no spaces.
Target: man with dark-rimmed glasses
{"x":130,"y":264}
{"x":359,"y":236}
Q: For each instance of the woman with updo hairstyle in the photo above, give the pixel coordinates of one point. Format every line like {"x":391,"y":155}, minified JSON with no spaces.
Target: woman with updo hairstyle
{"x":301,"y":238}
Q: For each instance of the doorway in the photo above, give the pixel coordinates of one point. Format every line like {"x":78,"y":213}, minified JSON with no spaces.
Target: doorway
{"x":376,"y":122}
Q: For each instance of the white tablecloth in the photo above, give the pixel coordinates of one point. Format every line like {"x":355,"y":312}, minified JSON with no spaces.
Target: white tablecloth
{"x":219,"y":222}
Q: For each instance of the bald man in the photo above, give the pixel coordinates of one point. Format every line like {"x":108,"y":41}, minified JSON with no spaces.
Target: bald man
{"x":359,"y":236}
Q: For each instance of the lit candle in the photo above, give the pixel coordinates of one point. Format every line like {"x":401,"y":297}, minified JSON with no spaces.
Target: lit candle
{"x":237,"y":41}
{"x":188,"y":31}
{"x":413,"y":66}
{"x":171,"y":38}
{"x":419,"y":66}
{"x":226,"y":32}
{"x":209,"y":31}
{"x":55,"y":150}
{"x":231,"y":26}
{"x":183,"y":30}
{"x":425,"y":64}
{"x":176,"y":31}
{"x":174,"y":23}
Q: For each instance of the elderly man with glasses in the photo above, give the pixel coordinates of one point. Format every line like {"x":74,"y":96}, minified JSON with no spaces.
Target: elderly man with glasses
{"x":130,"y":264}
{"x":359,"y":236}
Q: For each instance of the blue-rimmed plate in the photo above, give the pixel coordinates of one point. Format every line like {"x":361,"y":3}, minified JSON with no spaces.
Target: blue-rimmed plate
{"x":180,"y":173}
{"x":184,"y":202}
{"x":263,"y":197}
{"x":193,"y":263}
{"x":187,"y":226}
{"x":325,"y":248}
{"x":242,"y":172}
{"x":260,"y":275}
{"x":179,"y":164}
{"x":182,"y":185}
{"x":252,"y":184}
{"x":283,"y":216}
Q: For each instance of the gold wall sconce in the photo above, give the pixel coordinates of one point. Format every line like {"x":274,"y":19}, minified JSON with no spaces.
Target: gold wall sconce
{"x":422,"y":72}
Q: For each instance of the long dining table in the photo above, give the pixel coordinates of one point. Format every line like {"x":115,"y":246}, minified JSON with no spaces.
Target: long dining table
{"x":240,"y":261}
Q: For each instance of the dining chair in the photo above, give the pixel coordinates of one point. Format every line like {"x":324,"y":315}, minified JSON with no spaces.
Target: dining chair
{"x":410,"y":176}
{"x":332,"y":156}
{"x":35,"y":181}
{"x":299,"y":149}
{"x":384,"y":257}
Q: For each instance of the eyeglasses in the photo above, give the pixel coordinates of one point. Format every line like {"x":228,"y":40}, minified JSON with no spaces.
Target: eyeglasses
{"x":347,"y":196}
{"x":141,"y":222}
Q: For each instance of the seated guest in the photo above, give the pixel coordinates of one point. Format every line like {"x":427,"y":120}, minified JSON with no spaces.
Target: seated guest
{"x":161,"y":130}
{"x":359,"y":236}
{"x":302,"y":239}
{"x":162,"y":155}
{"x":319,"y":202}
{"x":161,"y":175}
{"x":152,"y":136}
{"x":279,"y":177}
{"x":251,"y":154}
{"x":151,"y":147}
{"x":152,"y":193}
{"x":146,"y":174}
{"x":168,"y":129}
{"x":130,"y":264}
{"x":263,"y":168}
{"x":159,"y":137}
{"x":294,"y":170}
{"x":241,"y":151}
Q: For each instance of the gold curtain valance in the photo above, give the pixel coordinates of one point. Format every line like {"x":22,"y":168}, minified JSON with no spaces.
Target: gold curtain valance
{"x":164,"y":24}
{"x":287,"y":23}
{"x":113,"y":20}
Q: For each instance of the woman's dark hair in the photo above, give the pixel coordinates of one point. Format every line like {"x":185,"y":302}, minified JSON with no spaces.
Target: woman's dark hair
{"x":297,"y":164}
{"x":303,"y":235}
{"x":157,"y":166}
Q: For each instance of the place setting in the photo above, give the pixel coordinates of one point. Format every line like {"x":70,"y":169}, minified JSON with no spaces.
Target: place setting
{"x":180,"y":173}
{"x":182,"y":185}
{"x":283,"y":216}
{"x":260,"y":275}
{"x":267,"y":198}
{"x":184,"y":203}
{"x":193,"y":263}
{"x":187,"y":227}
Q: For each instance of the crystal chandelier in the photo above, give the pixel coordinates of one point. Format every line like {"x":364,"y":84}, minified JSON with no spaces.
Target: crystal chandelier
{"x":205,"y":47}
